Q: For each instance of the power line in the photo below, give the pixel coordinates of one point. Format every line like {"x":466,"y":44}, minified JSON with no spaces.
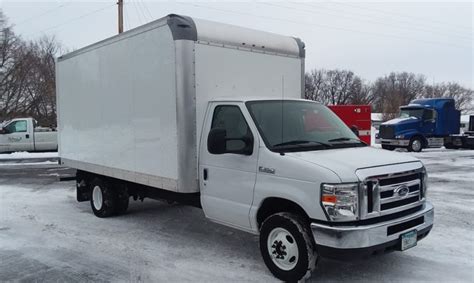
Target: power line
{"x":399,"y":15}
{"x":137,"y":12}
{"x":411,"y":27}
{"x":42,"y":14}
{"x":126,"y":20}
{"x":323,"y":26}
{"x":77,"y":18}
{"x":145,"y":8}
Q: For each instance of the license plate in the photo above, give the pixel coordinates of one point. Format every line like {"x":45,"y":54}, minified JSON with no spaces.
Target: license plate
{"x":409,"y":240}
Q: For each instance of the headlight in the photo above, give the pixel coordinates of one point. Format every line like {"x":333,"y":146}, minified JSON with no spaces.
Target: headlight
{"x":400,"y":136}
{"x":341,"y":201}
{"x":424,"y":182}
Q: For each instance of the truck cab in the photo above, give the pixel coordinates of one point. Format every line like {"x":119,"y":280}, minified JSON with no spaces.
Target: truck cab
{"x":267,"y":164}
{"x":421,"y":124}
{"x":24,"y":134}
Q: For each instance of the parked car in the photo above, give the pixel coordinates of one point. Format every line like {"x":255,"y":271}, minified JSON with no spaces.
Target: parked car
{"x":23,"y":134}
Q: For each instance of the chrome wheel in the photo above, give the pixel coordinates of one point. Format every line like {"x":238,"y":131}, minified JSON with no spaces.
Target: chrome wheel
{"x":97,"y":197}
{"x":416,"y":145}
{"x":282,"y":248}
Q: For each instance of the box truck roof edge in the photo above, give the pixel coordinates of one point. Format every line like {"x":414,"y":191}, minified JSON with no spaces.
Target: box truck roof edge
{"x":187,"y":28}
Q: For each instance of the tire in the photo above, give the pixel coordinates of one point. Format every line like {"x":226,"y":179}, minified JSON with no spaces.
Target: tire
{"x":122,"y":199}
{"x":388,"y":147}
{"x":287,"y":247}
{"x":103,"y":198}
{"x":416,"y":144}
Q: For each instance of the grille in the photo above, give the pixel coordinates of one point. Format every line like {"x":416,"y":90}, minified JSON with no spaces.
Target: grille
{"x":389,"y":194}
{"x":386,"y":132}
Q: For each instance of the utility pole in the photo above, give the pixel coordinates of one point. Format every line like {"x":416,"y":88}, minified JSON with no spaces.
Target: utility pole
{"x":120,"y":16}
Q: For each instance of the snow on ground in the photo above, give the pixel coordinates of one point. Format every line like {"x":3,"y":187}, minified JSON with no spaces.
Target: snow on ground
{"x":28,"y":155}
{"x":45,"y":235}
{"x":23,"y":162}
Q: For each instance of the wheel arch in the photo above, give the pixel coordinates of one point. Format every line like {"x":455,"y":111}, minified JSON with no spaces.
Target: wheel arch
{"x":424,"y":141}
{"x":272,"y":205}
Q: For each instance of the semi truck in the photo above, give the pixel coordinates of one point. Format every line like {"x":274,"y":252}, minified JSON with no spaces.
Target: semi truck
{"x":24,"y":134}
{"x":211,"y":115}
{"x":424,"y":123}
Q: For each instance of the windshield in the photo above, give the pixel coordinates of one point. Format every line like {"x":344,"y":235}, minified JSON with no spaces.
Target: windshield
{"x":411,"y":112}
{"x":300,"y":125}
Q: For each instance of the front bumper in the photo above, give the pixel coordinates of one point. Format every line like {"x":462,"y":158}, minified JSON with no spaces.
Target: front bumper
{"x":370,"y":238}
{"x":394,"y":142}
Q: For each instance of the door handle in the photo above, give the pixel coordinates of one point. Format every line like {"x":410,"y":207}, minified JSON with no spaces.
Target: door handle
{"x":27,"y":136}
{"x":205,"y":174}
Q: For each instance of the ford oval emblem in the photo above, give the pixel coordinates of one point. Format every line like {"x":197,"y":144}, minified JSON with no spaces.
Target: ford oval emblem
{"x":402,"y":191}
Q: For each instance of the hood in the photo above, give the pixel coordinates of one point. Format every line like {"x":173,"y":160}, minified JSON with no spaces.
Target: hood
{"x":401,"y":121}
{"x":344,"y":162}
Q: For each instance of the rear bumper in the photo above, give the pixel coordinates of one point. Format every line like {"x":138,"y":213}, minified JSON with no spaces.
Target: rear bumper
{"x":368,"y":239}
{"x":394,"y":142}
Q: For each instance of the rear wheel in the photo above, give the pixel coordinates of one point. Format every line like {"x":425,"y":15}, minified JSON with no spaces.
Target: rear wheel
{"x":287,"y":247}
{"x":416,"y":144}
{"x":103,"y":199}
{"x":388,"y":147}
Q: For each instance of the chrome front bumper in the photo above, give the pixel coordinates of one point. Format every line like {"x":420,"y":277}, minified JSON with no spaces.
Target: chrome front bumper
{"x":367,"y":236}
{"x":394,"y":142}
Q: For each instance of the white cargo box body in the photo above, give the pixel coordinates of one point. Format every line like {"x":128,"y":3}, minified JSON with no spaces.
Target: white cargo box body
{"x":132,"y":106}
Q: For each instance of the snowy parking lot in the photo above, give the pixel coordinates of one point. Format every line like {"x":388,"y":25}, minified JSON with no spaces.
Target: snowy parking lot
{"x":46,"y":235}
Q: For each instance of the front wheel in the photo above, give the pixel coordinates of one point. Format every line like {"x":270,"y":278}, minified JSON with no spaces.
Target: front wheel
{"x":287,"y":247}
{"x":416,"y":144}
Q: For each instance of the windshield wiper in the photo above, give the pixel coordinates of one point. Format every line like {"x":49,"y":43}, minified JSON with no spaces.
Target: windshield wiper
{"x":301,"y":142}
{"x":342,"y":139}
{"x":346,"y":139}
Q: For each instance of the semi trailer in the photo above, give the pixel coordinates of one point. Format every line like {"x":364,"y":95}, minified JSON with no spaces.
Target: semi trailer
{"x":211,"y":115}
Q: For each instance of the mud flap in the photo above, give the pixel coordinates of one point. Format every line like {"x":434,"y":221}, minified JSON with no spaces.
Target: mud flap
{"x":83,"y":191}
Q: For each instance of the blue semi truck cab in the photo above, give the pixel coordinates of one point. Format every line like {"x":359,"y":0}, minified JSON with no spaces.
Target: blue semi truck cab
{"x":421,"y":124}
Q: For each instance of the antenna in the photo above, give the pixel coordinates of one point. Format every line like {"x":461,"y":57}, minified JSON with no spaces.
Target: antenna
{"x":282,"y":100}
{"x":120,"y":16}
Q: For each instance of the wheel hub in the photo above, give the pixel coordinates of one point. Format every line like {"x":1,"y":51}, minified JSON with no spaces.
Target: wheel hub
{"x":279,"y":250}
{"x":282,"y":248}
{"x":97,"y":197}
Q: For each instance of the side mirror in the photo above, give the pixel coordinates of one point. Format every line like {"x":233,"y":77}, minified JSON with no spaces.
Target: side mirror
{"x":3,"y":131}
{"x":217,"y":143}
{"x":355,"y":130}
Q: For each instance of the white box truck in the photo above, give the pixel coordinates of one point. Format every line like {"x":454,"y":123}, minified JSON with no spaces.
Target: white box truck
{"x":211,"y":115}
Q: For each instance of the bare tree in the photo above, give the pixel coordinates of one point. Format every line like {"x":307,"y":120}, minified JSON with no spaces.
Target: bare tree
{"x":361,"y":92}
{"x":462,"y":96}
{"x":27,"y":76}
{"x":331,"y":86}
{"x":394,"y":90}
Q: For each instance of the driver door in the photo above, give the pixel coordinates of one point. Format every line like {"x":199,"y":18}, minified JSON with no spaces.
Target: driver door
{"x":429,"y":121}
{"x":227,"y":180}
{"x":17,"y":137}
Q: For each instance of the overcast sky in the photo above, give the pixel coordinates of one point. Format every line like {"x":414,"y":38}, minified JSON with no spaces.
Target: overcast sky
{"x":370,"y":38}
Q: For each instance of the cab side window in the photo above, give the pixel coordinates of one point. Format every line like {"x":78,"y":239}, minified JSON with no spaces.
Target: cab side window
{"x":429,"y":115}
{"x":17,"y":127}
{"x":231,"y":119}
